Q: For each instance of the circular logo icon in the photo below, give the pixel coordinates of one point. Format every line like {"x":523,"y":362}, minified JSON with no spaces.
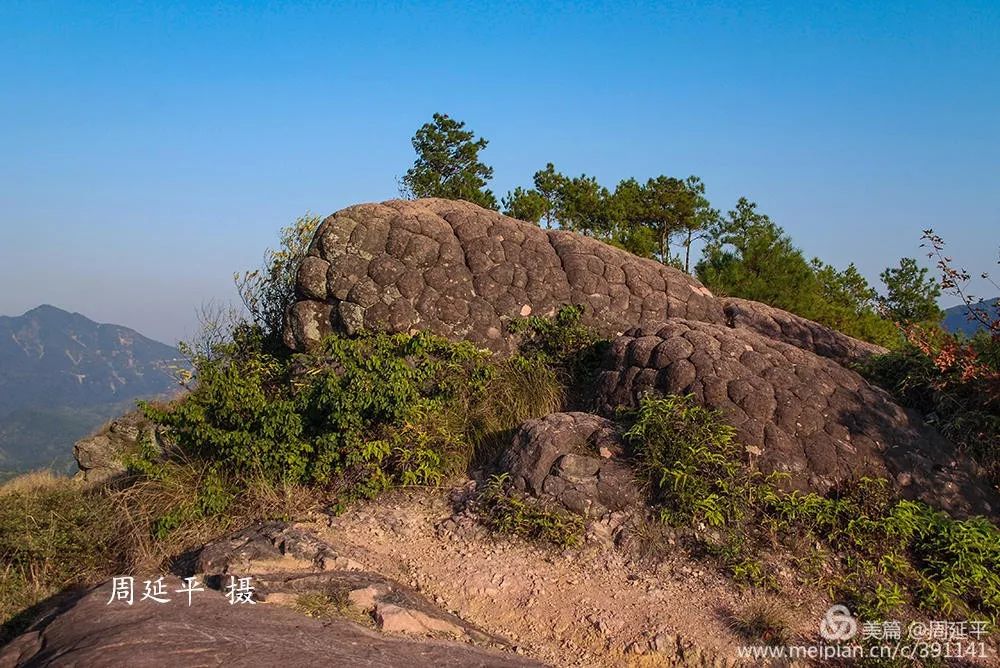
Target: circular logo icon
{"x":838,"y":624}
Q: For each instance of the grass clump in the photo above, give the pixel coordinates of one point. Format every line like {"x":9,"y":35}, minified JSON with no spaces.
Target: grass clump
{"x":504,"y":511}
{"x":333,"y":603}
{"x":878,"y":552}
{"x":59,"y":533}
{"x":564,"y":345}
{"x":762,"y":620}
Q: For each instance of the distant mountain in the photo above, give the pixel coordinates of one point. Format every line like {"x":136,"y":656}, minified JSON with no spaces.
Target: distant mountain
{"x":62,"y":375}
{"x":956,"y":318}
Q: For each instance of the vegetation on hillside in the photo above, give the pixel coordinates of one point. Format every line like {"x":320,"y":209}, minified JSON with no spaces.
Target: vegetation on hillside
{"x":868,"y":549}
{"x":953,"y":380}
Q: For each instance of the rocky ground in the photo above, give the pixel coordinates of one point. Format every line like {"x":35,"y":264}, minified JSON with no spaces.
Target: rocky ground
{"x":593,"y":606}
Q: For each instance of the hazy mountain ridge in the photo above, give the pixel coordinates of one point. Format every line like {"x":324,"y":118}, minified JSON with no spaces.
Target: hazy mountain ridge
{"x":956,"y":318}
{"x":62,"y":374}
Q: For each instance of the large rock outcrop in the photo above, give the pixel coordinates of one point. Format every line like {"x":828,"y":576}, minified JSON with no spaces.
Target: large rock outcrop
{"x":821,"y":423}
{"x":461,"y":271}
{"x":464,"y":272}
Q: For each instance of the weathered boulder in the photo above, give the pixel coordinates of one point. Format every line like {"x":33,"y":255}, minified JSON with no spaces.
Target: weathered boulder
{"x":463,"y":272}
{"x":574,"y":459}
{"x":87,"y":631}
{"x":100,"y":456}
{"x":801,"y":333}
{"x":821,"y":423}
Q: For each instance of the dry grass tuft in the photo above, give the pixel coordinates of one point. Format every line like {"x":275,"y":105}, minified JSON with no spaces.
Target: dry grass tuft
{"x":764,"y":620}
{"x":34,"y":481}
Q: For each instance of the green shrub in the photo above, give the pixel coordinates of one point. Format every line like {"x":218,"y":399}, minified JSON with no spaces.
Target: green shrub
{"x":689,"y":458}
{"x":565,"y":345}
{"x":505,"y":511}
{"x":359,"y":414}
{"x":880,"y":552}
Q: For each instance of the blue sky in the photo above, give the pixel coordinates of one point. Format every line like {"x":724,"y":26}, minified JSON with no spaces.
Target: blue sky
{"x":149,"y":150}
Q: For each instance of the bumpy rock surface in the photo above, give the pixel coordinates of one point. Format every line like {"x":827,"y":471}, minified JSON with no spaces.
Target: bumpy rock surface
{"x":573,"y":458}
{"x":100,"y":456}
{"x":89,"y":632}
{"x":801,"y":333}
{"x":816,"y":420}
{"x":462,"y":271}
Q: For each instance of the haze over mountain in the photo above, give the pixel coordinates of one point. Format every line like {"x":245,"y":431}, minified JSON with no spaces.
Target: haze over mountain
{"x":62,"y":374}
{"x":956,"y":318}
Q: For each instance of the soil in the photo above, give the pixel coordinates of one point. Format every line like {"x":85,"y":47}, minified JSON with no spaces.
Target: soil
{"x":590,"y":606}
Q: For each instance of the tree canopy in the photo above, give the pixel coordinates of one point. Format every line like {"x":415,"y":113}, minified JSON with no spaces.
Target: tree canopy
{"x":910,"y":297}
{"x":448,"y":164}
{"x":745,"y":253}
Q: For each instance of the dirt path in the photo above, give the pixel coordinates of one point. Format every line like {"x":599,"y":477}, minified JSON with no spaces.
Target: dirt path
{"x":587,"y":607}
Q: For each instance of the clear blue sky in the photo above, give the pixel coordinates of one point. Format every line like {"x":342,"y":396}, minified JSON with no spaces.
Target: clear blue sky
{"x":149,"y":150}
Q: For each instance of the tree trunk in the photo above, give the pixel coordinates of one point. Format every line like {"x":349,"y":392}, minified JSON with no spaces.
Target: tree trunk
{"x":687,"y":254}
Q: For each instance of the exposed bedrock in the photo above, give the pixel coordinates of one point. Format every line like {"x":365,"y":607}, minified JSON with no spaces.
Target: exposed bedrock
{"x":800,"y":332}
{"x":461,"y":271}
{"x":575,"y":459}
{"x":88,"y":631}
{"x":821,"y":423}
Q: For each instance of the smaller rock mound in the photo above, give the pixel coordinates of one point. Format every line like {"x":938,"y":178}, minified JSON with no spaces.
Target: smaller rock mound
{"x":100,"y":456}
{"x":573,"y":458}
{"x":799,"y":332}
{"x":819,"y":422}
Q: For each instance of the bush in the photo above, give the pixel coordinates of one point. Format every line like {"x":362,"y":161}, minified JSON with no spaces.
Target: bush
{"x":268,"y":291}
{"x":572,"y":350}
{"x":359,"y":414}
{"x":961,"y":400}
{"x":689,"y":458}
{"x":879,"y":552}
{"x":505,"y":511}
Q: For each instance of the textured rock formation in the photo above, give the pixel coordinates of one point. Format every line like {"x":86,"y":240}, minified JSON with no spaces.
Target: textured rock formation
{"x":89,"y":632}
{"x":573,"y":458}
{"x":461,"y":271}
{"x":801,"y":333}
{"x":816,"y":420}
{"x":100,"y":456}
